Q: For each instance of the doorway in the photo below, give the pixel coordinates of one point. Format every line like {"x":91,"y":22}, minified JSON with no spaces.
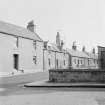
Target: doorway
{"x":16,"y":61}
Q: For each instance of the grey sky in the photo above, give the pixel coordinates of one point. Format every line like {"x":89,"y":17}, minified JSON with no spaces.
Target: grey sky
{"x":77,"y":20}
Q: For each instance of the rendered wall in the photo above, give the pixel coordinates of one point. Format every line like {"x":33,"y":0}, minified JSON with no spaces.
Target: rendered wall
{"x":63,"y":60}
{"x":83,"y":63}
{"x":7,"y":49}
{"x":49,"y":55}
{"x":27,"y":52}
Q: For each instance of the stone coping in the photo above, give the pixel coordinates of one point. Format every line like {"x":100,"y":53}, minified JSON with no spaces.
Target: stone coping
{"x":74,"y":70}
{"x":46,"y":83}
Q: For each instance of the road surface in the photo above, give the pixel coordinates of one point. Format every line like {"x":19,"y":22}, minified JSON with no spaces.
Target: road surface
{"x":17,"y":94}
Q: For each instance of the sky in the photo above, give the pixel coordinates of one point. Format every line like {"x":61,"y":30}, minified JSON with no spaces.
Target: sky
{"x":82,"y":21}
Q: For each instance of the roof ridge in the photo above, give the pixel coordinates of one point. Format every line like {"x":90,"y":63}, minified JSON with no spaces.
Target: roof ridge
{"x":18,"y":29}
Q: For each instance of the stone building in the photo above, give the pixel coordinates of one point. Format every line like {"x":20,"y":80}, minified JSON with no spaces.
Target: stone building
{"x":21,"y":49}
{"x":82,"y":59}
{"x":55,"y":57}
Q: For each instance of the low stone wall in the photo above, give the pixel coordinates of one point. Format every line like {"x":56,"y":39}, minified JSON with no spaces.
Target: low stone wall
{"x":66,"y":75}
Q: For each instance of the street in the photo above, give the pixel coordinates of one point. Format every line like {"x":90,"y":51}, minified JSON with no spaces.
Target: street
{"x":17,"y":94}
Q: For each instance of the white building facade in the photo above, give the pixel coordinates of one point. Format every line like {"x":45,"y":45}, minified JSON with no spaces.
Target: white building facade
{"x":82,"y":59}
{"x":54,"y":59}
{"x":20,"y":50}
{"x":23,"y":51}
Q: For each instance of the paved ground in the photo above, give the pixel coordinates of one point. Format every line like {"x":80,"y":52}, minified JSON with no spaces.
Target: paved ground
{"x":17,"y":94}
{"x":23,"y":78}
{"x":46,"y":83}
{"x":45,"y":96}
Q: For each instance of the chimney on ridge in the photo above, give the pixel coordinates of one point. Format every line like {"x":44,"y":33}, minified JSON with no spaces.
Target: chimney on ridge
{"x":74,"y":47}
{"x":62,"y":44}
{"x":58,"y":41}
{"x":83,"y":49}
{"x":31,"y":26}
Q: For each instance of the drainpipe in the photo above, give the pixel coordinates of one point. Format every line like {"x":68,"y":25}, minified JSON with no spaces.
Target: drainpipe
{"x":43,"y":59}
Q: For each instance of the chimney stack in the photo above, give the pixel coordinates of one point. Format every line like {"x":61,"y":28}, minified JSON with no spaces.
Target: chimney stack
{"x":83,"y":49}
{"x":62,"y":44}
{"x":74,"y":47}
{"x":45,"y":44}
{"x":58,"y":41}
{"x":31,"y":26}
{"x":93,"y":51}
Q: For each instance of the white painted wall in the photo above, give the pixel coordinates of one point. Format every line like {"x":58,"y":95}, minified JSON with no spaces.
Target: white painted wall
{"x":49,"y":55}
{"x":93,"y":64}
{"x":79,"y":63}
{"x":61,"y":57}
{"x":27,"y":51}
{"x":7,"y":47}
{"x":85,"y":64}
{"x":53,"y":56}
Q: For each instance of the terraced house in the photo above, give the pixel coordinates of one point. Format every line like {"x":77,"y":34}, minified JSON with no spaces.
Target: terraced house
{"x":21,"y":49}
{"x":55,"y":56}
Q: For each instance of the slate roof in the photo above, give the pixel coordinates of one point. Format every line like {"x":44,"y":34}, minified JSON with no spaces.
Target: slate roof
{"x":91,"y":55}
{"x":82,"y":54}
{"x":53,"y":47}
{"x":18,"y":31}
{"x":77,"y":53}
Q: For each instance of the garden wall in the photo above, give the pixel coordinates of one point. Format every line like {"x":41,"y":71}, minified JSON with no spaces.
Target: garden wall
{"x":86,"y":75}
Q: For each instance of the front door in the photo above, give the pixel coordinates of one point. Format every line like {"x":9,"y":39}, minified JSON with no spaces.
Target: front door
{"x":16,"y":59}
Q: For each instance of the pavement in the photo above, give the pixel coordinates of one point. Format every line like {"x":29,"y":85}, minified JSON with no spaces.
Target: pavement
{"x":23,"y":78}
{"x":46,"y":83}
